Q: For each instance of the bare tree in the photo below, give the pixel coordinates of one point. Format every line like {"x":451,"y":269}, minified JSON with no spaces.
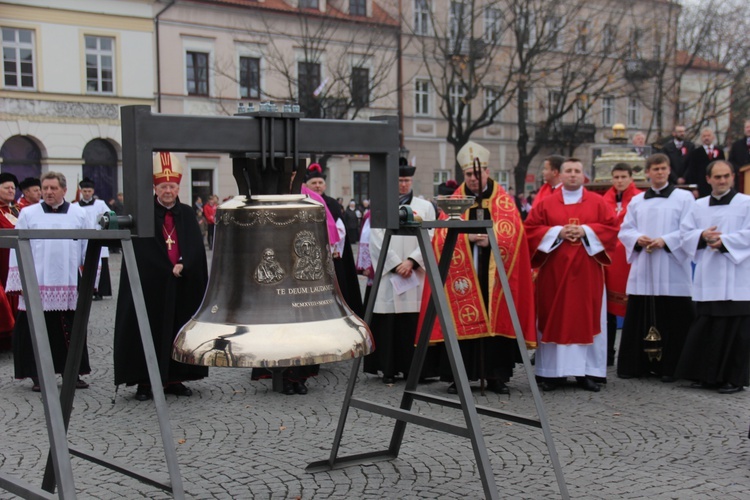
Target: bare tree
{"x":482,"y":58}
{"x":331,"y":65}
{"x":715,"y":37}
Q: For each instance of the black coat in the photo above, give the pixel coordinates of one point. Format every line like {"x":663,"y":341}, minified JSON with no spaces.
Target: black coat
{"x":695,"y":172}
{"x":346,"y":269}
{"x":739,"y":156}
{"x":170,"y":301}
{"x":677,"y":161}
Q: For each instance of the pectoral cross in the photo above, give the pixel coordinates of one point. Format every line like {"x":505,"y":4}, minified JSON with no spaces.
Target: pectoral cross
{"x":169,"y":242}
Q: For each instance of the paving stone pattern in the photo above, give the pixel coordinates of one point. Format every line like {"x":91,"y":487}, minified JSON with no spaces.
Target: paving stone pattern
{"x":238,"y":439}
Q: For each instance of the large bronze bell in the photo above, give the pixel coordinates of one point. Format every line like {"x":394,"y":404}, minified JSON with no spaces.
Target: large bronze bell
{"x":272,"y":299}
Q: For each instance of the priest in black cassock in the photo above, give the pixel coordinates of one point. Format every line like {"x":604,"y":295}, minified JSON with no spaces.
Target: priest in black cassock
{"x":717,"y":234}
{"x":174,"y":274}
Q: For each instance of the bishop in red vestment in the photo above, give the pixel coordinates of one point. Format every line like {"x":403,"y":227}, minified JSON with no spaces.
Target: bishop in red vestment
{"x":480,"y":315}
{"x":571,"y":236}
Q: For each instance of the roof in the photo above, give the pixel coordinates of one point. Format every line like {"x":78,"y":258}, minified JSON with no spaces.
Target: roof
{"x":684,"y":59}
{"x":379,"y":15}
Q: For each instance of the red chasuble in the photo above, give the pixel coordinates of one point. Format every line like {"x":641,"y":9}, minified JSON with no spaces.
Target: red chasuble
{"x":616,"y":275}
{"x":471,"y":316}
{"x":570,"y":282}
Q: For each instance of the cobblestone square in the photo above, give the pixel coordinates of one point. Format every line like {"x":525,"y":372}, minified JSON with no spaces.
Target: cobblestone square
{"x":239,"y":439}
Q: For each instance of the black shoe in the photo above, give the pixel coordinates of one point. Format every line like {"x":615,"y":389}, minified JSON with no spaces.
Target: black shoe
{"x":587,"y":384}
{"x":300,"y":387}
{"x":599,"y":380}
{"x":625,"y":376}
{"x":498,"y":387}
{"x":452,"y":389}
{"x":80,"y":384}
{"x":389,"y":380}
{"x":667,"y":379}
{"x":548,"y":386}
{"x":288,"y":388}
{"x":36,"y":387}
{"x":178,"y":389}
{"x":97,"y":296}
{"x":143,"y":393}
{"x":729,"y":388}
{"x":699,"y":385}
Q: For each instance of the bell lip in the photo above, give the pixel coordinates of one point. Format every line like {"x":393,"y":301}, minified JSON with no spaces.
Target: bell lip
{"x":288,"y":200}
{"x":280,"y":345}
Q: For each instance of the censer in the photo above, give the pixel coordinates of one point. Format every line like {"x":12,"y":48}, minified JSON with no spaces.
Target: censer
{"x":272,"y":299}
{"x":652,"y":341}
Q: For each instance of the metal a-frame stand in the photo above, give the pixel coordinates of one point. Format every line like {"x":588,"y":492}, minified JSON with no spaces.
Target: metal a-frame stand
{"x":57,"y":409}
{"x":438,"y":306}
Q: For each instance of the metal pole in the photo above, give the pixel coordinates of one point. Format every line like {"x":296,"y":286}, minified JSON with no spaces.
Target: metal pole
{"x":152,"y":364}
{"x":527,"y":365}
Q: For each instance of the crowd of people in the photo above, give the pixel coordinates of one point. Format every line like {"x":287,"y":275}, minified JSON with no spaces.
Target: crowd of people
{"x":675,"y":268}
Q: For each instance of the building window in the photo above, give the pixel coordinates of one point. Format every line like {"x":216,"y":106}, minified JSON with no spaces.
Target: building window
{"x":526,"y":100}
{"x":609,"y":38}
{"x":308,"y":4}
{"x":421,"y":17}
{"x":456,"y":95}
{"x":683,"y":112}
{"x":554,"y":103}
{"x":634,"y":41}
{"x":491,"y":97}
{"x":422,"y":93}
{"x":100,"y":68}
{"x":493,"y":25}
{"x":582,"y":41}
{"x":439,"y":177}
{"x":608,"y":111}
{"x":582,"y":109}
{"x":634,"y":115}
{"x":554,"y":32}
{"x":250,"y":77}
{"x":357,"y":7}
{"x":18,"y":58}
{"x":308,"y":81}
{"x":361,"y":87}
{"x":196,"y":64}
{"x":527,"y":31}
{"x":457,"y":34}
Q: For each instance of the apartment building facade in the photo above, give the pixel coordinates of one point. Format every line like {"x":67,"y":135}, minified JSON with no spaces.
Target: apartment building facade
{"x":68,"y":65}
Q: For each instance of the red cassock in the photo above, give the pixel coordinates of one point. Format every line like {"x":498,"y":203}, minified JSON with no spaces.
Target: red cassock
{"x":544,"y":192}
{"x":472,"y":317}
{"x":570,"y":283}
{"x":616,"y":275}
{"x":8,"y":305}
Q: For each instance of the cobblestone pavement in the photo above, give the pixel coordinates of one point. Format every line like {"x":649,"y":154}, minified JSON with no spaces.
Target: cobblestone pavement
{"x":239,"y":439}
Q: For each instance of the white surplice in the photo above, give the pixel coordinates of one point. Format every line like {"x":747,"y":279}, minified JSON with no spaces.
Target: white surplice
{"x":56,"y":261}
{"x":720,"y":275}
{"x":659,"y":272}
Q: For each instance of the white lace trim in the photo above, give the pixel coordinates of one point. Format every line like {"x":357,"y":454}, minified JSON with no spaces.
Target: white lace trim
{"x":55,"y":298}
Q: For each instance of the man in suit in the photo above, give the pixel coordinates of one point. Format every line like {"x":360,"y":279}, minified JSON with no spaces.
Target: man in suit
{"x":739,"y":155}
{"x":678,"y":150}
{"x":698,"y":160}
{"x":639,"y":145}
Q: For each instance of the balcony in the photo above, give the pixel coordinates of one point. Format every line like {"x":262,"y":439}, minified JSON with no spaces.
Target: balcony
{"x":640,"y":69}
{"x":568,"y":133}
